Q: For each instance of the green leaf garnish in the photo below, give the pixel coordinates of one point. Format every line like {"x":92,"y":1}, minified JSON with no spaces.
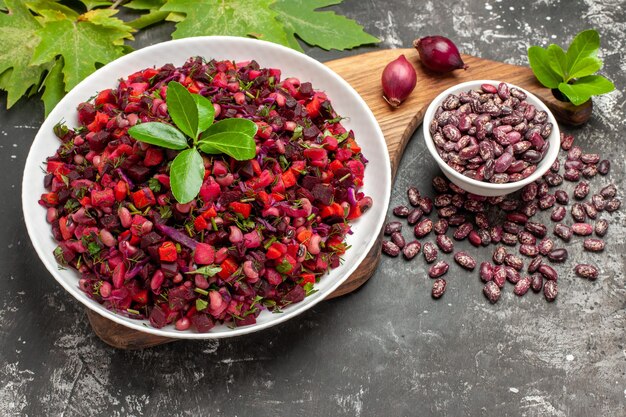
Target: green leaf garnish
{"x":182,"y":108}
{"x":201,"y":304}
{"x":159,"y":134}
{"x":206,"y":112}
{"x":571,"y":72}
{"x":232,"y":125}
{"x":235,"y":144}
{"x":186,"y":175}
{"x":208,"y":270}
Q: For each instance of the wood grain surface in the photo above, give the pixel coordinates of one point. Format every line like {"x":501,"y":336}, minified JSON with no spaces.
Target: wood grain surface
{"x":398,"y":125}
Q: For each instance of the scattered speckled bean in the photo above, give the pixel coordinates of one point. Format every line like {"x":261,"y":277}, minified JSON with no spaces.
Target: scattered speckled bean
{"x":492,"y":292}
{"x":522,"y":286}
{"x":390,"y":248}
{"x":438,"y":269}
{"x":558,"y":255}
{"x":563,"y":231}
{"x":601,"y":227}
{"x":593,"y":244}
{"x":411,"y":249}
{"x":465,"y":260}
{"x":550,"y":290}
{"x":445,"y":243}
{"x":537,"y":282}
{"x":398,"y":239}
{"x":439,"y":287}
{"x":430,"y":252}
{"x":401,"y":211}
{"x":392,"y":227}
{"x":534,"y":264}
{"x":586,"y":271}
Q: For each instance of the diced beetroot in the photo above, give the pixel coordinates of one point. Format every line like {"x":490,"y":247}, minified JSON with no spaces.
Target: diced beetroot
{"x":202,"y":322}
{"x":295,"y":295}
{"x":153,"y":157}
{"x":204,"y":254}
{"x":157,"y":318}
{"x":273,"y":277}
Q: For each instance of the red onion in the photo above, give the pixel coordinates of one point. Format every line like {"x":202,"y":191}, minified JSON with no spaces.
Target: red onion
{"x":398,"y":81}
{"x":439,"y":54}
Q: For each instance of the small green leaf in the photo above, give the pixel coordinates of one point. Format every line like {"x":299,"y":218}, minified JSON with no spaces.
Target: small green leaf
{"x":201,"y":304}
{"x":584,"y":45}
{"x":186,"y":175}
{"x":235,"y":144}
{"x":584,"y":67}
{"x":208,"y":270}
{"x":159,"y":134}
{"x":206,"y":112}
{"x":558,"y":60}
{"x":539,"y":62}
{"x":585,"y":87}
{"x":182,"y":108}
{"x":244,"y":126}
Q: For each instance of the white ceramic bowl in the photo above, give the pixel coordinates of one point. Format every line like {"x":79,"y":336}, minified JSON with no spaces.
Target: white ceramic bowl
{"x":344,"y":98}
{"x":481,"y":187}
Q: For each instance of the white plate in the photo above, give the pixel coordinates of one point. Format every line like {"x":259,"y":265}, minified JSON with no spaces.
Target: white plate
{"x":345,"y":100}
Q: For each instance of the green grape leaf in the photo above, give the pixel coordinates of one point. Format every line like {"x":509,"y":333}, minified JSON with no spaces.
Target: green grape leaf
{"x":540,"y":64}
{"x":324,"y":29}
{"x":82,"y":43}
{"x":18,"y":31}
{"x":92,"y":4}
{"x":585,"y":87}
{"x":153,"y":16}
{"x":54,"y":86}
{"x":186,"y":175}
{"x":275,"y":21}
{"x":104,"y":18}
{"x":250,"y":18}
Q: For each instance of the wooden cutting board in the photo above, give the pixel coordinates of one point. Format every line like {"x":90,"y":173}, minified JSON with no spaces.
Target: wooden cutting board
{"x":363,"y":73}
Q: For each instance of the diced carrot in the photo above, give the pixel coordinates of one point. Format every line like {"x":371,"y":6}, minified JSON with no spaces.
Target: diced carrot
{"x":167,"y":252}
{"x":289,"y":179}
{"x":200,"y":223}
{"x":304,"y":235}
{"x":242,"y":208}
{"x":307,"y":277}
{"x":143,"y":198}
{"x":229,"y":266}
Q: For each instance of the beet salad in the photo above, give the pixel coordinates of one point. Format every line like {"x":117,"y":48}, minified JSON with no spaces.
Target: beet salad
{"x":175,"y":216}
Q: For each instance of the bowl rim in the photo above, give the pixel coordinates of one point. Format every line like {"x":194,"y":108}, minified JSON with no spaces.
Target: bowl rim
{"x":30,"y":210}
{"x":546,"y":162}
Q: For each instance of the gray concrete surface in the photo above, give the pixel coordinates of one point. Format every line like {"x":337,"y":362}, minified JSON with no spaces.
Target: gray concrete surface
{"x":387,"y":350}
